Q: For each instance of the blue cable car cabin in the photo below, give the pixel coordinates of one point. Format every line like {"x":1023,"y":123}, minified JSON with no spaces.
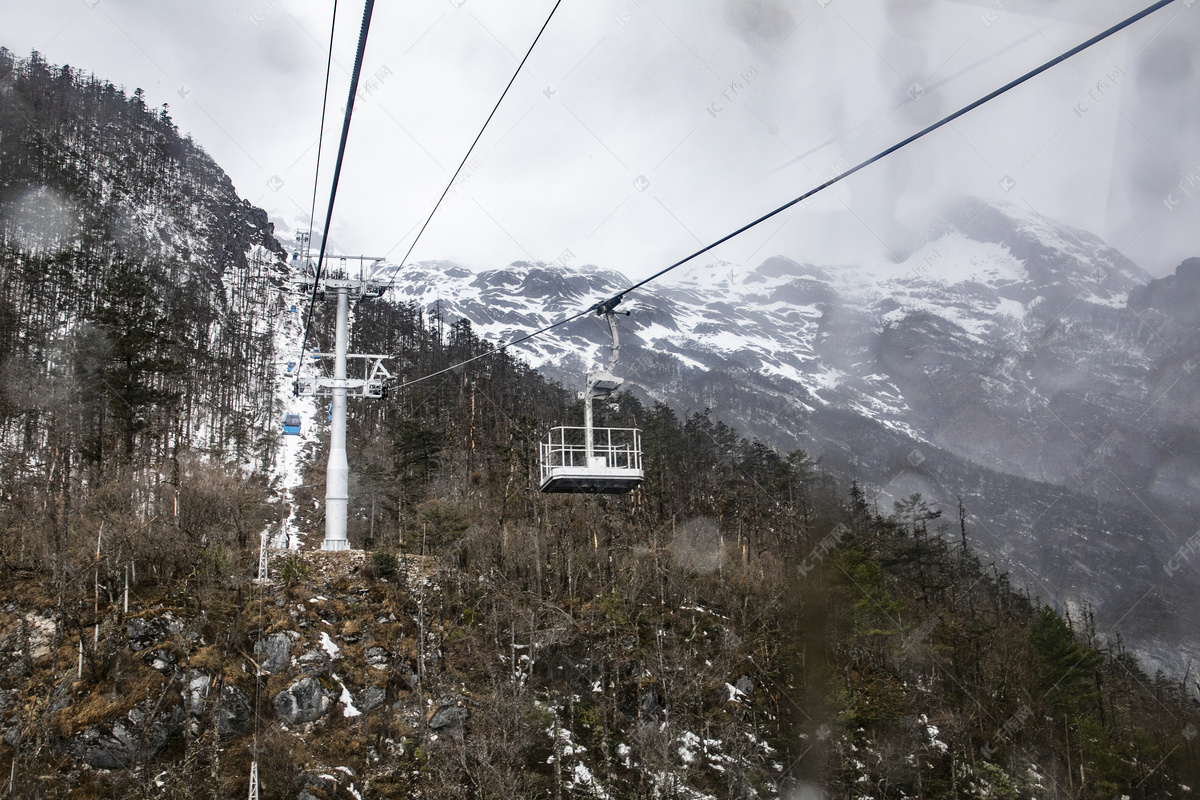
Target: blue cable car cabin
{"x":291,"y":425}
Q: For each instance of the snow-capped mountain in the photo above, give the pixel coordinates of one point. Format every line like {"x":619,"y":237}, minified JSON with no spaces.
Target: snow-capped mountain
{"x":1000,"y":364}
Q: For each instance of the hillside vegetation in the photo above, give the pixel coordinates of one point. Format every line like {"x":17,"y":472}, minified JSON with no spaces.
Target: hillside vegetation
{"x":746,"y":624}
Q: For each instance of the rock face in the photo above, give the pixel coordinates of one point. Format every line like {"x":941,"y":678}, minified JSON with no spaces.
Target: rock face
{"x":449,"y":715}
{"x":121,"y":744}
{"x":146,"y":632}
{"x":274,"y":652}
{"x":233,"y":714}
{"x":196,"y":692}
{"x":111,"y":748}
{"x":40,"y":631}
{"x":1177,"y":295}
{"x":371,"y":697}
{"x":304,"y":701}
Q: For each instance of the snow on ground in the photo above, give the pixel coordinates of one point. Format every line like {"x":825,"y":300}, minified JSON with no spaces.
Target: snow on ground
{"x":347,"y":701}
{"x":329,"y":646}
{"x":293,"y":451}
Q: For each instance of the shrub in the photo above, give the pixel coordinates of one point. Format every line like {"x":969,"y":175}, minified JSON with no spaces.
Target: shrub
{"x":384,"y":563}
{"x":293,"y":571}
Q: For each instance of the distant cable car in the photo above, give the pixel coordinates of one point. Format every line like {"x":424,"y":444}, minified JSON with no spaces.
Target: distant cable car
{"x":291,"y":425}
{"x":591,"y":460}
{"x":291,"y":367}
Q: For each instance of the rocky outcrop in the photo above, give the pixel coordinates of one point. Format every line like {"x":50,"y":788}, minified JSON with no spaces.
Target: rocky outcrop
{"x":377,"y":658}
{"x":451,"y":713}
{"x":234,"y":712}
{"x":146,"y":632}
{"x":274,"y":652}
{"x":1177,"y":295}
{"x":134,"y":737}
{"x":372,"y":697}
{"x":304,"y":701}
{"x":39,"y":631}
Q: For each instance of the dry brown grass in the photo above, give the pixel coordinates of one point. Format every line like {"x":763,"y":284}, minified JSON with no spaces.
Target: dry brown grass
{"x":207,"y":659}
{"x":99,"y":706}
{"x":105,"y":703}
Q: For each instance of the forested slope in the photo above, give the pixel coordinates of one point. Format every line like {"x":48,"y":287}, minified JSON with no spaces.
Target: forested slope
{"x":132,"y":323}
{"x":745,"y":624}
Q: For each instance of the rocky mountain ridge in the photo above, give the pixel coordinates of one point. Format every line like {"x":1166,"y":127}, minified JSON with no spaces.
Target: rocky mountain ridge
{"x":1000,"y":363}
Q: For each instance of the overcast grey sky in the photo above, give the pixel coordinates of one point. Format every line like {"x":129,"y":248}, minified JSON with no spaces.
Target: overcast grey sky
{"x":642,"y":128}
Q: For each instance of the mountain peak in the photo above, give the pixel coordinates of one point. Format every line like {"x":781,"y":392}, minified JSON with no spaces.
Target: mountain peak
{"x":1059,"y":260}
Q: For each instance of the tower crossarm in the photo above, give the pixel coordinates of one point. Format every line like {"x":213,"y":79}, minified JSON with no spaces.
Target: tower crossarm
{"x":373,"y":384}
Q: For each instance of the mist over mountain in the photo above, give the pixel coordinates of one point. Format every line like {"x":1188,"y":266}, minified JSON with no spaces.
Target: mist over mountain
{"x":1014,"y":362}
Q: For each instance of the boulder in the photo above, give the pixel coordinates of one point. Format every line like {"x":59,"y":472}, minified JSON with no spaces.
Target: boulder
{"x":163,"y":660}
{"x":304,"y":701}
{"x":233,"y":713}
{"x":316,"y":787}
{"x":274,"y":652}
{"x":371,"y":697}
{"x":377,"y":658}
{"x":448,"y":715}
{"x":40,"y":631}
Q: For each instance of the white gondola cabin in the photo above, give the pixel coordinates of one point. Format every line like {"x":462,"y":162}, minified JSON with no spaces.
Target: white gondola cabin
{"x":592,"y":460}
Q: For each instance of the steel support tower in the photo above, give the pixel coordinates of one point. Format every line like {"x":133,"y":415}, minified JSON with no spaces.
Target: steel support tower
{"x":339,"y":387}
{"x":337,"y":474}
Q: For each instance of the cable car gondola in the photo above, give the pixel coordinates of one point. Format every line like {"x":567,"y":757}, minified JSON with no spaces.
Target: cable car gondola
{"x":591,"y":460}
{"x":291,"y":425}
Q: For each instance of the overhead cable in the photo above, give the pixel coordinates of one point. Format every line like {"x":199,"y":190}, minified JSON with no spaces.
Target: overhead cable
{"x":337,"y":169}
{"x":312,"y":211}
{"x":898,"y":146}
{"x":612,"y":301}
{"x":471,"y":149}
